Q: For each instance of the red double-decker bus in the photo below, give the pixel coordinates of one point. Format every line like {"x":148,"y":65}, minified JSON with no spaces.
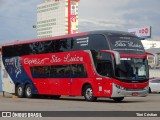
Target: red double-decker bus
{"x":93,"y":64}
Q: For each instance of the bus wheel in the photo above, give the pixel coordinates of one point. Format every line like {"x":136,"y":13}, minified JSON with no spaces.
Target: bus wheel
{"x":20,"y":91}
{"x":88,"y":94}
{"x":118,"y":99}
{"x":28,"y":91}
{"x":149,"y":90}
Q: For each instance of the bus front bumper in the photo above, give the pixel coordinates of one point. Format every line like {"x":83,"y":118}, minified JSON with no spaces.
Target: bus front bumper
{"x":118,"y":91}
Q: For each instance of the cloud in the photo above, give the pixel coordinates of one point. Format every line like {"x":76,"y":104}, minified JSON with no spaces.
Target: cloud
{"x":100,"y":8}
{"x":94,"y":24}
{"x":119,"y":15}
{"x":142,"y":13}
{"x":17,"y":18}
{"x":2,"y":2}
{"x":101,"y":14}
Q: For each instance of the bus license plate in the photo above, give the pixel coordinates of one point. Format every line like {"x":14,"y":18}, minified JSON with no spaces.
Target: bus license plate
{"x":134,"y":94}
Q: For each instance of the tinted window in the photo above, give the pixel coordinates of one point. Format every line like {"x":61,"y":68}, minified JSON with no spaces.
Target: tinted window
{"x":98,"y":42}
{"x":42,"y":47}
{"x":40,"y":72}
{"x":50,"y":46}
{"x":37,"y":48}
{"x":103,"y":63}
{"x":15,"y":50}
{"x":62,"y":45}
{"x":7,"y":51}
{"x":126,"y":44}
{"x":80,"y":43}
{"x":59,"y":71}
{"x":94,"y":42}
{"x":78,"y":71}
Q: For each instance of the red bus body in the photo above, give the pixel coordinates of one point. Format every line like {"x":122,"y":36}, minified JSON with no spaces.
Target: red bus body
{"x":53,"y":68}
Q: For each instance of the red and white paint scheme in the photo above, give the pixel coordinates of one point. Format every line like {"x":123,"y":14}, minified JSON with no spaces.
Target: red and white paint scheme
{"x":92,"y":64}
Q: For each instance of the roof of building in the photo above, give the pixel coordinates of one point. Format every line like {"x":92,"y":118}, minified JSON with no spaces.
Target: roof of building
{"x":153,"y":50}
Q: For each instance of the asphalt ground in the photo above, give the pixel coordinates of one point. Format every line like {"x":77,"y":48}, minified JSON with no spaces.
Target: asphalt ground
{"x":43,"y":103}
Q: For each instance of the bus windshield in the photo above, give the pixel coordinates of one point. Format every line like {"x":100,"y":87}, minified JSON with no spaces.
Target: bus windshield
{"x":126,"y":44}
{"x":132,"y":69}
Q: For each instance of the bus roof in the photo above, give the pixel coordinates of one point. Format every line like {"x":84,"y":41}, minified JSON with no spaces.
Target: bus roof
{"x":108,"y":32}
{"x":43,"y":39}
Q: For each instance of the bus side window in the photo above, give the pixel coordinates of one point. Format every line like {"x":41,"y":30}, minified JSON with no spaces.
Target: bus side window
{"x":104,"y":65}
{"x":40,"y":71}
{"x":104,"y":68}
{"x":62,"y":45}
{"x":41,"y":47}
{"x":78,"y":71}
{"x":98,"y":42}
{"x":59,"y":71}
{"x":8,"y":51}
{"x":80,"y":43}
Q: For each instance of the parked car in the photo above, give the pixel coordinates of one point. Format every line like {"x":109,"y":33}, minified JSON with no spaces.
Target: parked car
{"x":154,"y":85}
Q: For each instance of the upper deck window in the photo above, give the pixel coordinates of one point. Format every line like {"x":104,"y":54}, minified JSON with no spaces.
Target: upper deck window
{"x":90,"y":42}
{"x":98,"y":42}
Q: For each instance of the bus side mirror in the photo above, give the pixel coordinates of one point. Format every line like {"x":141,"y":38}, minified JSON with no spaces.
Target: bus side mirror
{"x":115,"y":54}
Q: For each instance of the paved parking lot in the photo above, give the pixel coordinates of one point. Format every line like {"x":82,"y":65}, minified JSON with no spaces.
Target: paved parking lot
{"x":10,"y":103}
{"x":149,"y":103}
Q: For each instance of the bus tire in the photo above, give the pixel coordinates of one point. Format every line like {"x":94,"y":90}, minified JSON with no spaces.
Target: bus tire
{"x":88,"y":94}
{"x":149,"y":90}
{"x":118,"y":99}
{"x":20,"y":91}
{"x":28,"y":91}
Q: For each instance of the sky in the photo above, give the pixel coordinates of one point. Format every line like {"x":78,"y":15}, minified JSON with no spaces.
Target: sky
{"x":18,"y":16}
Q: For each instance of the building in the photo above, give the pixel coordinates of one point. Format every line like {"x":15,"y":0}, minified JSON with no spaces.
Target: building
{"x":57,"y":17}
{"x":154,"y":70}
{"x":150,"y":44}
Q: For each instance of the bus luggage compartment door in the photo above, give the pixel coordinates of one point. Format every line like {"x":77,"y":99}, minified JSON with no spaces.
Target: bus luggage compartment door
{"x":7,"y":83}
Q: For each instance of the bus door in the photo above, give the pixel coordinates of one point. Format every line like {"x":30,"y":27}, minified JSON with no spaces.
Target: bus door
{"x":104,"y":68}
{"x":63,"y":76}
{"x":70,"y":78}
{"x":78,"y":76}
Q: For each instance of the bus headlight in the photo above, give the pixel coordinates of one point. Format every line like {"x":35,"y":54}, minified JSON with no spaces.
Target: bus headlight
{"x":119,"y":87}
